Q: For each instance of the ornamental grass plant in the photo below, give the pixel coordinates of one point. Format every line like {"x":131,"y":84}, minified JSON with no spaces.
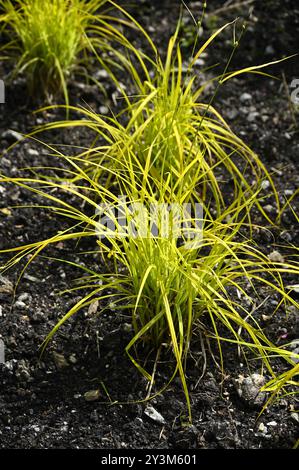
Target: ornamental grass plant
{"x":168,"y":137}
{"x":170,"y":285}
{"x":172,"y":270}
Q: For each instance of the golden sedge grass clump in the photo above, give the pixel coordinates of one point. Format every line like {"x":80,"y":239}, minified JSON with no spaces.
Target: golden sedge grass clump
{"x":170,"y":284}
{"x":167,"y":137}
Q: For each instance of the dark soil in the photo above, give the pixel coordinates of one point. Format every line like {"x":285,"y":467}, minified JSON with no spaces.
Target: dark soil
{"x":42,"y":404}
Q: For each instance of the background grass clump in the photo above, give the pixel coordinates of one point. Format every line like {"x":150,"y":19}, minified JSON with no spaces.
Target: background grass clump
{"x":166,"y":147}
{"x":49,"y":39}
{"x":167,"y":136}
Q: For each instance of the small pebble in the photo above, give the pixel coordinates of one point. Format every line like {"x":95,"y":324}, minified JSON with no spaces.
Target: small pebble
{"x":276,"y":257}
{"x":265,"y":184}
{"x":252,"y":116}
{"x":199,"y":62}
{"x":262,"y":428}
{"x":30,"y":278}
{"x":104,"y":110}
{"x":294,"y":357}
{"x":11,"y":135}
{"x":6,"y":287}
{"x":295,"y":417}
{"x":232,"y":114}
{"x":32,"y":152}
{"x":60,"y":360}
{"x":20,"y":305}
{"x":36,"y":428}
{"x":294,"y":288}
{"x":288,"y":192}
{"x":127,"y":327}
{"x":94,"y":416}
{"x":286,"y":236}
{"x":270,"y":209}
{"x":294,"y":344}
{"x":248,"y":388}
{"x":73,"y":359}
{"x":154,"y":414}
{"x":92,"y":395}
{"x":269,"y":50}
{"x":93,"y":308}
{"x":102,"y":73}
{"x":23,"y":297}
{"x":245,"y":97}
{"x":272,"y":423}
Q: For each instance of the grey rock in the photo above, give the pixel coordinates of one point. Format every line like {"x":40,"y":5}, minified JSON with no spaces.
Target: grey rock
{"x":11,"y":341}
{"x":6,"y":162}
{"x":276,"y":257}
{"x":104,"y":110}
{"x":139,"y":421}
{"x":30,"y":278}
{"x":295,"y":358}
{"x":73,"y":359}
{"x":288,"y":192}
{"x":23,"y":297}
{"x":265,"y":184}
{"x":262,"y":428}
{"x":286,"y":236}
{"x":32,"y":152}
{"x":37,"y":317}
{"x":10,"y":365}
{"x":35,"y":428}
{"x":102,"y":73}
{"x":22,"y":371}
{"x":60,"y":360}
{"x":232,"y":113}
{"x":294,"y":288}
{"x":199,"y":62}
{"x":92,"y":395}
{"x":295,"y":417}
{"x":269,"y":50}
{"x":20,"y":305}
{"x":248,"y":388}
{"x":6,"y":287}
{"x":294,"y":344}
{"x":252,"y":116}
{"x":270,"y":209}
{"x":12,"y":135}
{"x":272,"y":423}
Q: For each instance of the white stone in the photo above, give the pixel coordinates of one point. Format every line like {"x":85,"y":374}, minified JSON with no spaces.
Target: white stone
{"x":245,"y":97}
{"x":154,"y":414}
